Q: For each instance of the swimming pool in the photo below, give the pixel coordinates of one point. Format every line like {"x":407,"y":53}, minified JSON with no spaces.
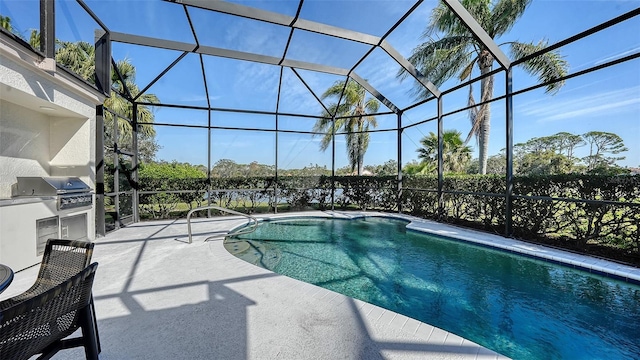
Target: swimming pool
{"x":518,"y":306}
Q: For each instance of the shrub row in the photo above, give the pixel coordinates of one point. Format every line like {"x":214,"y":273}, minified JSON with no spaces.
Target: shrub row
{"x":544,"y":207}
{"x":578,"y":212}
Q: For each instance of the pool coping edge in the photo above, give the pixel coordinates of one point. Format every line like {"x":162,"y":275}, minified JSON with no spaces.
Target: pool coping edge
{"x":586,"y":263}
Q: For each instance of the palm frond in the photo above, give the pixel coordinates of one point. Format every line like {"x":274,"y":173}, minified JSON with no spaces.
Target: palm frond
{"x":440,"y":60}
{"x":34,"y":39}
{"x":444,"y":20}
{"x":547,"y":67}
{"x":370,"y":121}
{"x":372,"y":105}
{"x":5,"y":22}
{"x":455,"y":153}
{"x":429,"y":150}
{"x":78,"y":57}
{"x":481,"y":12}
{"x":466,"y":72}
{"x":326,"y":140}
{"x":322,"y":125}
{"x":127,"y":70}
{"x":351,"y":116}
{"x":334,"y":91}
{"x":505,"y":13}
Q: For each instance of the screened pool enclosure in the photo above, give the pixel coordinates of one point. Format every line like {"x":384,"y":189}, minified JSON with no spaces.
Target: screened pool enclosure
{"x":520,"y":118}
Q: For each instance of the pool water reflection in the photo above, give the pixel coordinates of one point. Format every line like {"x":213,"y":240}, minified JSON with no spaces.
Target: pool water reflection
{"x":518,"y":306}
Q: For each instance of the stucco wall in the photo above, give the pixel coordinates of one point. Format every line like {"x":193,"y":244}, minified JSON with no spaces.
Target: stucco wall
{"x":47,"y":128}
{"x":70,"y":150}
{"x":33,"y":144}
{"x":19,"y":234}
{"x":24,"y":145}
{"x":21,"y":76}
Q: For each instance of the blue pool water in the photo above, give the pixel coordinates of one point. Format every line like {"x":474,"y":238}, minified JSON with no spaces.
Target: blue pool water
{"x":520,"y":307}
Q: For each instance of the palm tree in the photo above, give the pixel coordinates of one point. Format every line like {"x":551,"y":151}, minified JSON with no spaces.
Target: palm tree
{"x":455,"y":153}
{"x":79,"y":57}
{"x":5,"y":22}
{"x":120,"y":105}
{"x":458,"y":50}
{"x":419,"y":168}
{"x":34,"y":39}
{"x":352,"y":116}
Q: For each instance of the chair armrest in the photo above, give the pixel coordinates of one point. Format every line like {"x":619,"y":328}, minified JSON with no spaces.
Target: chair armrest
{"x":28,"y":327}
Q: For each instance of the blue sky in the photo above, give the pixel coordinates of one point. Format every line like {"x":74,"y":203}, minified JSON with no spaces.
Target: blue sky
{"x":607,"y":100}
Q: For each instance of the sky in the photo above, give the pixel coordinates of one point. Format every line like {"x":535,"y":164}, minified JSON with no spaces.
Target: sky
{"x":606,"y":100}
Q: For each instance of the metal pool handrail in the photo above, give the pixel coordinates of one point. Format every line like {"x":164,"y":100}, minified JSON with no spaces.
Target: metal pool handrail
{"x":253,"y":222}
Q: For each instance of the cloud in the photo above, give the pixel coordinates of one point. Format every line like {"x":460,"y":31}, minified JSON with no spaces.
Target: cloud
{"x":605,"y":59}
{"x":595,"y":110}
{"x":297,"y":98}
{"x":380,"y":70}
{"x":599,"y":104}
{"x":617,"y":56}
{"x":254,"y":37}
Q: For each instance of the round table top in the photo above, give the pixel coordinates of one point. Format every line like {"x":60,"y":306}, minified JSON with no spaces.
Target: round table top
{"x":6,"y":276}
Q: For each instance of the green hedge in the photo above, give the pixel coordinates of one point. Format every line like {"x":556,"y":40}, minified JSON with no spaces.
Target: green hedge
{"x":615,"y":224}
{"x":566,"y":221}
{"x":367,"y":192}
{"x":304,"y":192}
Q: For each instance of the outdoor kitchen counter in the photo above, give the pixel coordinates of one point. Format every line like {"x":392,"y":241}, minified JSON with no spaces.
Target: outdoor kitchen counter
{"x":25,"y":200}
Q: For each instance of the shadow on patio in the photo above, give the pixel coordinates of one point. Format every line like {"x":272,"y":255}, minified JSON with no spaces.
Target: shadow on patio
{"x":157,"y":298}
{"x":192,"y":320}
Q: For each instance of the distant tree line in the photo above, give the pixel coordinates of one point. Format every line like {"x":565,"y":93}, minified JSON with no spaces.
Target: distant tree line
{"x":556,"y":154}
{"x":547,"y":155}
{"x":229,"y":168}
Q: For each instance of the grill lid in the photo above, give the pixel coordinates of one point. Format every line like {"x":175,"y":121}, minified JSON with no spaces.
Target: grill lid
{"x":49,"y":186}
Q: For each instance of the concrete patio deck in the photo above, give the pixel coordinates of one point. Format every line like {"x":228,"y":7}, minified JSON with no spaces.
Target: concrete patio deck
{"x":158,"y":297}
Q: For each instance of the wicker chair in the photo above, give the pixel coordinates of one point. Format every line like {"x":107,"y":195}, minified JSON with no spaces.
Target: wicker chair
{"x":61,"y":260}
{"x":40,"y":324}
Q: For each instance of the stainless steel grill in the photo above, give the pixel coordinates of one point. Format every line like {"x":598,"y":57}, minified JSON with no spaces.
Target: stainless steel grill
{"x":71,"y":192}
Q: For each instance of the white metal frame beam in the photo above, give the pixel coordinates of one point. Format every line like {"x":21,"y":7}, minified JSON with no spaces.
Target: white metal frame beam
{"x":239,"y":55}
{"x":478,"y":32}
{"x":312,"y":26}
